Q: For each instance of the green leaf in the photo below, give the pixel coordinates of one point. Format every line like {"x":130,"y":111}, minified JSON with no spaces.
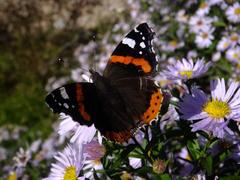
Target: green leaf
{"x":194,"y":149}
{"x":230,"y":178}
{"x":219,"y":24}
{"x":208,"y":164}
{"x":165,"y":177}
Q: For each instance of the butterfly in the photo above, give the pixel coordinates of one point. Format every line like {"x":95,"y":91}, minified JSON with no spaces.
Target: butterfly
{"x":124,"y":98}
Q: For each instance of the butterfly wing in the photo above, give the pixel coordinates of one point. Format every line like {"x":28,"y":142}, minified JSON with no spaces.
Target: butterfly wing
{"x":142,"y":98}
{"x":77,"y":100}
{"x":134,"y":55}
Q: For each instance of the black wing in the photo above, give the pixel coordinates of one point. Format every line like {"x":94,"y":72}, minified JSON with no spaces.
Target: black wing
{"x":77,"y":100}
{"x":134,"y":55}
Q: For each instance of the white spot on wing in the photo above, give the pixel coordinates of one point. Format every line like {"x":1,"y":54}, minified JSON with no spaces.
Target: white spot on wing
{"x":136,"y":30}
{"x":64,"y":93}
{"x":143,"y":38}
{"x":151,"y":42}
{"x":66,"y":105}
{"x":153,"y":50}
{"x":142,"y":44}
{"x":130,"y":42}
{"x":140,"y":52}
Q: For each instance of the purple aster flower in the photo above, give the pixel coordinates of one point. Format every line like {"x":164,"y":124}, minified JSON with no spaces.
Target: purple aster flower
{"x":213,"y":113}
{"x":186,"y":69}
{"x":92,"y":154}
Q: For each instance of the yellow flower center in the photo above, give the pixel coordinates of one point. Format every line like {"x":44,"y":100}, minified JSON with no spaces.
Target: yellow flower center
{"x":235,"y":55}
{"x":70,"y":173}
{"x":173,"y":43}
{"x":237,"y":11}
{"x":203,"y":5}
{"x":12,"y":176}
{"x":186,"y":73}
{"x":234,"y":37}
{"x":204,"y":35}
{"x":226,"y":44}
{"x":216,"y":109}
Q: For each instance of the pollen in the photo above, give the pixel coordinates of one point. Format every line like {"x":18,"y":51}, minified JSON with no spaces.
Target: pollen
{"x":237,"y":11}
{"x":216,"y":109}
{"x":70,"y":173}
{"x":186,"y":73}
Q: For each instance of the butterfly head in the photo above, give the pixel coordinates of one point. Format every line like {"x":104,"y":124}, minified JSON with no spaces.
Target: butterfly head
{"x":99,"y":81}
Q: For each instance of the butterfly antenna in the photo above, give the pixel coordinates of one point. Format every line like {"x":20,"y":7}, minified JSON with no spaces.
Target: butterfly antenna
{"x":94,"y":64}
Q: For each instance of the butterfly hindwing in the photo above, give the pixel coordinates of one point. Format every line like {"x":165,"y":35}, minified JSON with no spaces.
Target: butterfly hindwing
{"x":141,"y":96}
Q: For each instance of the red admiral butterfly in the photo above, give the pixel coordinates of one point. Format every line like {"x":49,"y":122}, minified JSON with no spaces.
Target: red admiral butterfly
{"x":123,"y":98}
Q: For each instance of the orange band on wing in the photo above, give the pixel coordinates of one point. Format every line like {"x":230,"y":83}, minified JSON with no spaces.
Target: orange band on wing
{"x":143,"y":63}
{"x":120,"y":137}
{"x":153,"y":109}
{"x":80,"y":98}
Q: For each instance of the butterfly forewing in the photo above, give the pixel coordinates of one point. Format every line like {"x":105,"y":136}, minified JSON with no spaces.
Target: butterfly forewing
{"x":77,"y":100}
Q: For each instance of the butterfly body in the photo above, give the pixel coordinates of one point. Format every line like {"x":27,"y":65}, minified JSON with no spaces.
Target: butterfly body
{"x":121,"y":99}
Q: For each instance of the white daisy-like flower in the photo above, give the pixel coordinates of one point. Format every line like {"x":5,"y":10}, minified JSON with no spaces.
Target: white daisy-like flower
{"x":181,"y":16}
{"x":199,"y":23}
{"x":186,"y":69}
{"x":204,"y":38}
{"x":234,"y":39}
{"x":172,"y":46}
{"x":22,"y":157}
{"x":233,"y":13}
{"x":213,"y":114}
{"x":233,"y":54}
{"x":203,"y":9}
{"x":80,"y":133}
{"x":223,"y":44}
{"x":68,"y":165}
